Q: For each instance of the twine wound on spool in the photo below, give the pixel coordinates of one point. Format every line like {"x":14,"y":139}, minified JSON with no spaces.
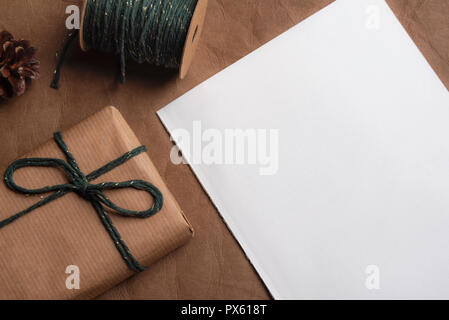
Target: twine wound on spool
{"x":159,"y":32}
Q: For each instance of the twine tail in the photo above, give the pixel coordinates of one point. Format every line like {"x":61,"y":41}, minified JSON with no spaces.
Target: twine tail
{"x":55,"y":83}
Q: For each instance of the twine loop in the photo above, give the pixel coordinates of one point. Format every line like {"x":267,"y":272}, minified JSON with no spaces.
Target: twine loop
{"x":80,"y":184}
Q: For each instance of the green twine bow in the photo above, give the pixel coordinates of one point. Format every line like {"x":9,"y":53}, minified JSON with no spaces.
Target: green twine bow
{"x":80,"y":184}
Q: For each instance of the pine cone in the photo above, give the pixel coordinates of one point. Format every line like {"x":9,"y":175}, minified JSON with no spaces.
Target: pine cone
{"x":18,"y":65}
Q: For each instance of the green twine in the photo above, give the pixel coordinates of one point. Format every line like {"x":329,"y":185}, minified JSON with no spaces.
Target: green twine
{"x":152,"y":31}
{"x":80,"y":184}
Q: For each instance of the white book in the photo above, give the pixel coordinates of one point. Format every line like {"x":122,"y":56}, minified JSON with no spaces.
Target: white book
{"x":349,"y":199}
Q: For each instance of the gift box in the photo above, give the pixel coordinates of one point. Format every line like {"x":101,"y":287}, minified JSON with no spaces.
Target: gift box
{"x":62,"y":249}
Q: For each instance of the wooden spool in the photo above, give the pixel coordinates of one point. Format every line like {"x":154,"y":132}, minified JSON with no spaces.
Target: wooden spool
{"x":192,"y":39}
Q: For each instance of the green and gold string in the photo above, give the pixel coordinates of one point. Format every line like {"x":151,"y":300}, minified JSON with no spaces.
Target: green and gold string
{"x":152,"y":31}
{"x":92,"y":192}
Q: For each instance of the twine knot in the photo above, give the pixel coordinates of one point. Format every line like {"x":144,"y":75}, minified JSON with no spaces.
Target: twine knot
{"x":82,"y":188}
{"x":80,"y":184}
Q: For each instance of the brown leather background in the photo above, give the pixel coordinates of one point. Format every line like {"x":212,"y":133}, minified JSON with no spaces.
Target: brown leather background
{"x":212,"y":265}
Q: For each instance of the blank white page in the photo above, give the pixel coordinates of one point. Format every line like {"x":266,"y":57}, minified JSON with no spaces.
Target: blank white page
{"x":359,"y":205}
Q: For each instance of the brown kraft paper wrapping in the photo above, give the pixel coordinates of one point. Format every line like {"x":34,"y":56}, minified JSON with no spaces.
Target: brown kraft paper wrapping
{"x":36,"y":249}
